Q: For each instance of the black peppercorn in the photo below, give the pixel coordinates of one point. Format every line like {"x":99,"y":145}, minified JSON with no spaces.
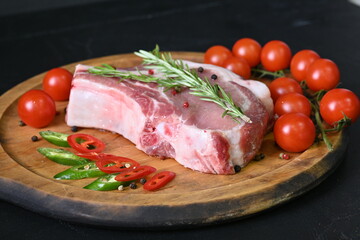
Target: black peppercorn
{"x":142,"y":181}
{"x":237,"y":168}
{"x":133,"y":185}
{"x":213,"y":77}
{"x":200,"y":69}
{"x":21,"y":123}
{"x":34,"y":138}
{"x":259,"y":157}
{"x":74,"y":128}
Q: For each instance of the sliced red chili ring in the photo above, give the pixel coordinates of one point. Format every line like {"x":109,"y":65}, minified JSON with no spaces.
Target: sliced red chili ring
{"x":135,"y":173}
{"x":85,"y":143}
{"x":94,"y":155}
{"x":159,"y":180}
{"x":116,"y":164}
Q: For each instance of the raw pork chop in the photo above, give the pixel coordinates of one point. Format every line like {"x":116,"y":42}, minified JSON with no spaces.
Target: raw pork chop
{"x":179,"y":126}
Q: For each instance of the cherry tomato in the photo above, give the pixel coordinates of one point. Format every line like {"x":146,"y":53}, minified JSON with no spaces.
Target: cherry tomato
{"x":159,"y":180}
{"x":300,"y":63}
{"x":322,"y":74}
{"x":338,"y":102}
{"x":294,"y":132}
{"x":282,"y":86}
{"x":238,"y":66}
{"x":292,"y":102}
{"x":57,"y":83}
{"x":116,"y":164}
{"x":275,"y":56}
{"x":216,"y":55}
{"x":36,"y":108}
{"x":249,"y":49}
{"x":85,"y":143}
{"x":135,"y":173}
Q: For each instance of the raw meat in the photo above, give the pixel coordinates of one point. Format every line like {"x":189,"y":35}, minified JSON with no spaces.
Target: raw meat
{"x":179,"y":126}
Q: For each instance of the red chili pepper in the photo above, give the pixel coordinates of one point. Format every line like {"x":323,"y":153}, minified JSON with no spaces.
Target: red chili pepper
{"x":116,"y":164}
{"x":94,"y":155}
{"x":134,"y":174}
{"x":85,"y":143}
{"x":159,"y":180}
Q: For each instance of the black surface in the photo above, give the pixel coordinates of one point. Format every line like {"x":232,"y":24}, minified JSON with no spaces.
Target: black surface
{"x":35,"y":42}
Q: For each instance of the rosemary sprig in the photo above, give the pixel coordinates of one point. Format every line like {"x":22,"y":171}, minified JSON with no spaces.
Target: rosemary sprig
{"x":109,"y":71}
{"x":176,"y":74}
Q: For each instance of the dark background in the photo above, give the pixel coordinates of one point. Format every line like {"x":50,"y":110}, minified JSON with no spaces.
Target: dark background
{"x":38,"y":35}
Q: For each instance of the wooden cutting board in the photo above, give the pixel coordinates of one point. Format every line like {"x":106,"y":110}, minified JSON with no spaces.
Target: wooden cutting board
{"x":192,"y":198}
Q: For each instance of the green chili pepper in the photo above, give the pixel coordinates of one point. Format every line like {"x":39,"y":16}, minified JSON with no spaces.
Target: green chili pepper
{"x":62,"y":156}
{"x":88,"y":170}
{"x":106,"y":183}
{"x":56,"y":138}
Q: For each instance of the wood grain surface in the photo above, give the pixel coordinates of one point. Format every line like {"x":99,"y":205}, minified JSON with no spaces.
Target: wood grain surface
{"x":192,"y":198}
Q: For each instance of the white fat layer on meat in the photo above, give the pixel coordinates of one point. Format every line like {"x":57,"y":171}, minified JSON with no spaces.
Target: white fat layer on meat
{"x":118,"y":116}
{"x":198,"y":153}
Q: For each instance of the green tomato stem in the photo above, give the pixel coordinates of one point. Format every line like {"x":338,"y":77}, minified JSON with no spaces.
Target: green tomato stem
{"x":263,"y":73}
{"x":322,"y":130}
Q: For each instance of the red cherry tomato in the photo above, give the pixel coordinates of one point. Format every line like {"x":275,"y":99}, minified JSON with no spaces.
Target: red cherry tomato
{"x":294,"y":132}
{"x":249,"y":49}
{"x":338,"y":102}
{"x":116,"y":164}
{"x":238,"y":66}
{"x":322,"y":74}
{"x":300,"y":63}
{"x":85,"y":143}
{"x":159,"y":180}
{"x":216,"y":55}
{"x":57,"y":83}
{"x":134,"y":174}
{"x":292,"y":102}
{"x":36,"y":108}
{"x":282,"y":86}
{"x":275,"y":56}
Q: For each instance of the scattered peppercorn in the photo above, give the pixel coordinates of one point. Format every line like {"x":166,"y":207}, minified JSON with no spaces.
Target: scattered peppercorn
{"x":237,"y":168}
{"x":200,"y":69}
{"x":151,"y":72}
{"x":284,"y":156}
{"x":133,"y":185}
{"x":21,"y":123}
{"x":214,"y":77}
{"x":74,"y":128}
{"x":259,"y":157}
{"x":174,"y":92}
{"x":186,"y":105}
{"x":34,"y":138}
{"x":142,"y":181}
